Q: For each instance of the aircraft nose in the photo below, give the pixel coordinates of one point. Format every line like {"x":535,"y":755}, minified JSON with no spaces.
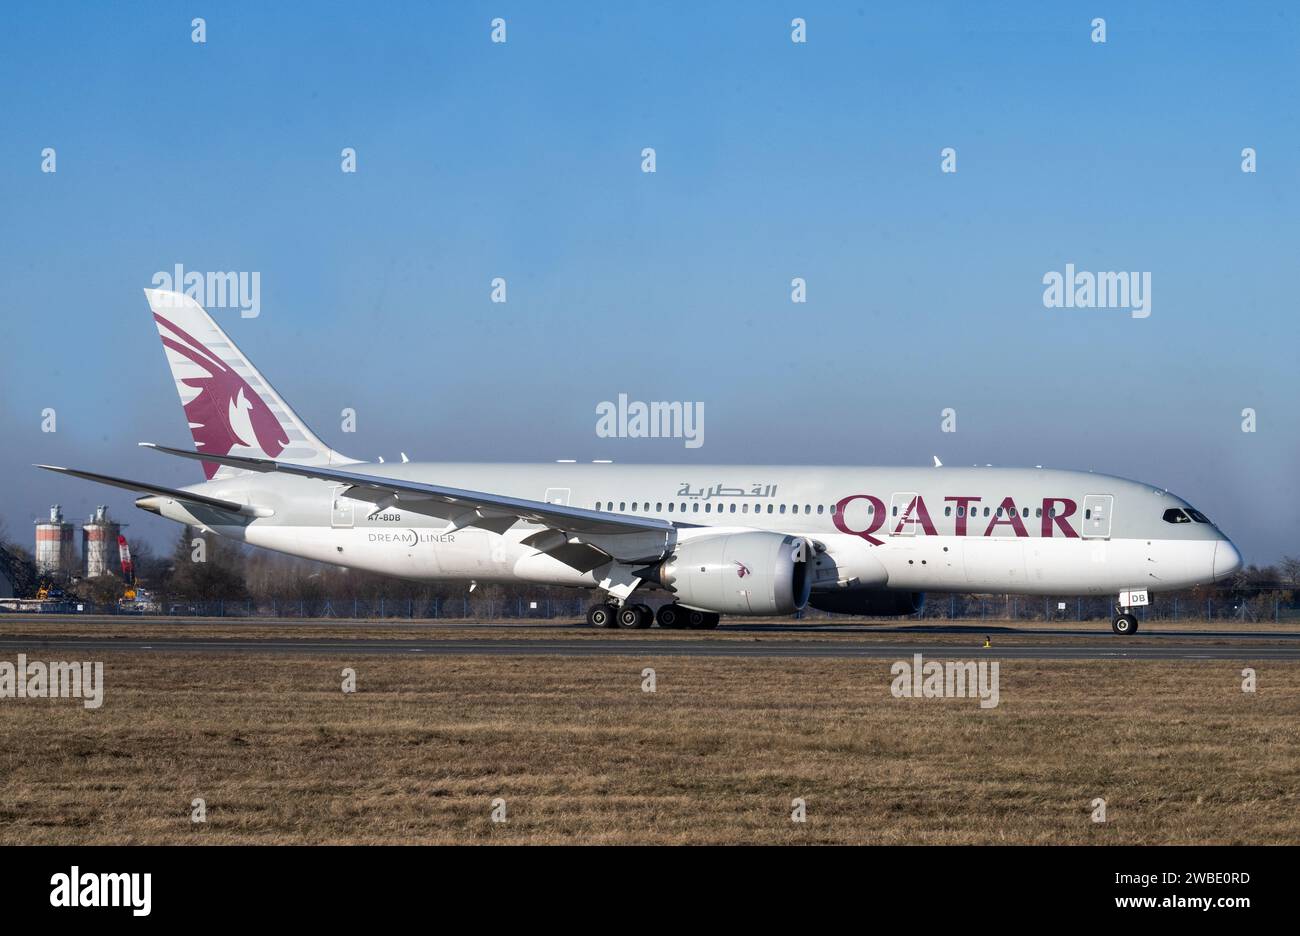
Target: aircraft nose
{"x":1227,"y":559}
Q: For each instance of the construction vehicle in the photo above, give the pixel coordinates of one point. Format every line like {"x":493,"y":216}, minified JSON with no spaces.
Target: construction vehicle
{"x":33,"y":591}
{"x":128,"y":568}
{"x":20,"y":572}
{"x":134,"y":600}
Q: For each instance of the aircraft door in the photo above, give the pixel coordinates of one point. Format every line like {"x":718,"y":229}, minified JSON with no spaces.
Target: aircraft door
{"x":1096,"y":515}
{"x":900,"y":519}
{"x":341,"y":509}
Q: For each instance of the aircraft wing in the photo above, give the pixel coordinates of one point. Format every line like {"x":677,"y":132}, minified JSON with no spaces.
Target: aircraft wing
{"x":622,"y":537}
{"x":144,"y":487}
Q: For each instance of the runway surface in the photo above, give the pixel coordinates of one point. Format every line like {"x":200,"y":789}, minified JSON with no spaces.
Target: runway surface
{"x":1179,"y":647}
{"x":732,"y":626}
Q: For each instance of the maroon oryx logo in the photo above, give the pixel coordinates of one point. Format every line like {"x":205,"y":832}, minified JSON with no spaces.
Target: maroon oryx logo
{"x":226,"y":412}
{"x":741,"y":569}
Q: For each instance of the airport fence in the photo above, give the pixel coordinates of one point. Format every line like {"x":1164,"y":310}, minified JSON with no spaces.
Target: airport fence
{"x":1218,"y":605}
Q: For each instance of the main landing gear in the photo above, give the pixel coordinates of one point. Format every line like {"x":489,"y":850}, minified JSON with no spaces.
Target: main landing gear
{"x":635,"y":617}
{"x":639,"y":617}
{"x":601,"y":615}
{"x":675,"y":617}
{"x":628,"y":617}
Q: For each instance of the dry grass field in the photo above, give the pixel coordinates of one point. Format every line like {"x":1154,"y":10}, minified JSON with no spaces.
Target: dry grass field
{"x":581,"y":755}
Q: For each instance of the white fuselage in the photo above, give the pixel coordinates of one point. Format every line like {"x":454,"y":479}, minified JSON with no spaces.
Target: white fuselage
{"x":1027,"y":531}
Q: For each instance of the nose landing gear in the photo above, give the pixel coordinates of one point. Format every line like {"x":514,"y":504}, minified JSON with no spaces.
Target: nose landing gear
{"x":1126,"y":622}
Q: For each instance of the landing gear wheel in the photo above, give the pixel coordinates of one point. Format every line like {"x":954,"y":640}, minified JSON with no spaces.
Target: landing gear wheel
{"x":1125,"y":625}
{"x":634,"y":617}
{"x":600,"y":615}
{"x":670,"y":617}
{"x":701,"y":620}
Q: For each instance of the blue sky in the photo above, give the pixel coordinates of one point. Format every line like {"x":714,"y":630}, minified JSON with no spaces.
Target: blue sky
{"x":774,"y":160}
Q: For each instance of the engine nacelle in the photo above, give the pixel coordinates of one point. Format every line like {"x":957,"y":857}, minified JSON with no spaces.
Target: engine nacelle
{"x":869,"y":602}
{"x":754,"y":573}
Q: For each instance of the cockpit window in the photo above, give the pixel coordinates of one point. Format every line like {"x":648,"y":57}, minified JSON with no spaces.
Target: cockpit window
{"x":1198,"y":516}
{"x":1174,"y":515}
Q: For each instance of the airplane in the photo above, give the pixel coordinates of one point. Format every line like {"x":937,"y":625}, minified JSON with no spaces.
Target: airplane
{"x":741,"y":540}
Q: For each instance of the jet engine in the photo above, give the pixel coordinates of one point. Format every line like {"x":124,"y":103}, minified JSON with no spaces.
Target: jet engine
{"x":754,"y":573}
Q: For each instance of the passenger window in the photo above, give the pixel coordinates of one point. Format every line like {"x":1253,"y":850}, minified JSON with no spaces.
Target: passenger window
{"x":708,"y":508}
{"x":1026,"y":512}
{"x":744,"y":508}
{"x":947,"y":511}
{"x":961,"y":511}
{"x":807,"y":508}
{"x":769,"y":508}
{"x":695,"y":508}
{"x":622,"y":505}
{"x":733,"y":509}
{"x":783,"y":508}
{"x":670,"y":508}
{"x":1087,"y":514}
{"x":1038,"y":512}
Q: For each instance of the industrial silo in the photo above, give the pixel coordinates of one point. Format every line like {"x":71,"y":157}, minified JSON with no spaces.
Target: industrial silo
{"x":55,"y":549}
{"x":99,"y":550}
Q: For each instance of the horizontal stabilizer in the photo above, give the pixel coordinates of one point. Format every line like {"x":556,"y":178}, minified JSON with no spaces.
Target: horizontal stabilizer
{"x":144,"y":487}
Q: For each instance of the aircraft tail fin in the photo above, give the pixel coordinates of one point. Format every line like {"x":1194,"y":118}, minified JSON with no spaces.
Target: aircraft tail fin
{"x":230,"y":406}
